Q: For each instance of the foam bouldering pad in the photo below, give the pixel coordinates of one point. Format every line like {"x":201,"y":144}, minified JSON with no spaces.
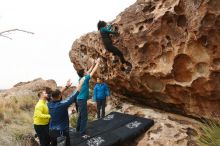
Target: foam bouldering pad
{"x":104,"y":139}
{"x":112,"y":130}
{"x":76,"y":138}
{"x":111,"y":121}
{"x":133,"y":129}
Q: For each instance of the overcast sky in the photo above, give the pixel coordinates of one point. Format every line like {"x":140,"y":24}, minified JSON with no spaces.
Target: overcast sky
{"x":56,"y":24}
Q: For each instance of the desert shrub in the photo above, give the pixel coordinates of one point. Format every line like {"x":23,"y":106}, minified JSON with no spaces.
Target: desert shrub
{"x":210,"y":134}
{"x":1,"y":113}
{"x":16,"y":119}
{"x":73,"y":119}
{"x":10,"y":106}
{"x":26,"y":103}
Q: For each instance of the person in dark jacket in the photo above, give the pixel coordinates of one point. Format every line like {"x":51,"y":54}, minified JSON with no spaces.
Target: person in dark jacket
{"x":105,"y":31}
{"x":58,"y":109}
{"x":100,"y":93}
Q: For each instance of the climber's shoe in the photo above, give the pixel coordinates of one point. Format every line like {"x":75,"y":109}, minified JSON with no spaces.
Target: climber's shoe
{"x":122,"y":68}
{"x":128,"y":67}
{"x":85,"y":136}
{"x":114,"y":61}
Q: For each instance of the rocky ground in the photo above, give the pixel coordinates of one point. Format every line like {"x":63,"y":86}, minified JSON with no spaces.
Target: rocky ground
{"x":168,"y":130}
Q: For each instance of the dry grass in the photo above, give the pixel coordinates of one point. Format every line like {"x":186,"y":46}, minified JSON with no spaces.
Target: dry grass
{"x":16,"y":114}
{"x":1,"y":111}
{"x":15,"y":107}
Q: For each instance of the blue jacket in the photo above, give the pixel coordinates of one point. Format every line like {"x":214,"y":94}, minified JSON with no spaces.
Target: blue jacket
{"x":58,"y":111}
{"x":101,"y":91}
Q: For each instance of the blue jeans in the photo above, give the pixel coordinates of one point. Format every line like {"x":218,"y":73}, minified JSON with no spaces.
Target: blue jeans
{"x":83,"y":116}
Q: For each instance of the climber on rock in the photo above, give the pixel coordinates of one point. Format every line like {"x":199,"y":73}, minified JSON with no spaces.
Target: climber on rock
{"x":105,"y":31}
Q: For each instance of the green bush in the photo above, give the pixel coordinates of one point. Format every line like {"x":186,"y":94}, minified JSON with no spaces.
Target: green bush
{"x":210,"y":134}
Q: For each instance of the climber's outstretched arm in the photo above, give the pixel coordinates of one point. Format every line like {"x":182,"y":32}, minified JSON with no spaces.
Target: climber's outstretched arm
{"x":95,"y":68}
{"x":90,"y":69}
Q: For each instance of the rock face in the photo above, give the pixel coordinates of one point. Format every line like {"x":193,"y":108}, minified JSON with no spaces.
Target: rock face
{"x":174,"y":48}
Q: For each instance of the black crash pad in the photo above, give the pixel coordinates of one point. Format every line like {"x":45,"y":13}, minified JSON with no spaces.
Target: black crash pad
{"x":105,"y":139}
{"x":112,"y":130}
{"x":112,"y":121}
{"x":133,"y":129}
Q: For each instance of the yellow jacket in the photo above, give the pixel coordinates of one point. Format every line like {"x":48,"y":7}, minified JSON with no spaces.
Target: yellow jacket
{"x":41,"y":113}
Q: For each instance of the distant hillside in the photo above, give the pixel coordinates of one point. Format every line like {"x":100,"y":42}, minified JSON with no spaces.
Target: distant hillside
{"x":16,"y":112}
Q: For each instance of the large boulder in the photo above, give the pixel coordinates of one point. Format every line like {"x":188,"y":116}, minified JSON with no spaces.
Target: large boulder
{"x":174,"y":48}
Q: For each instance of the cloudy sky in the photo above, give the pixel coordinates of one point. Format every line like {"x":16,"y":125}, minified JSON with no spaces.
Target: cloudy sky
{"x":56,"y":24}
